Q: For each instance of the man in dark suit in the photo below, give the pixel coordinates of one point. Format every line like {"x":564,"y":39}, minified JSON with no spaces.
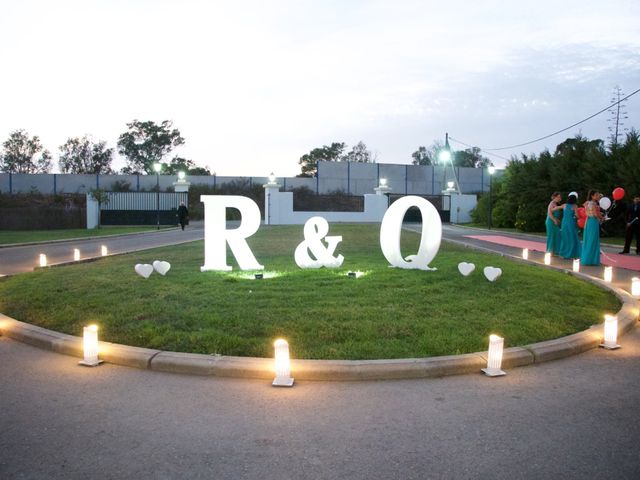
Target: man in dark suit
{"x":633,"y":226}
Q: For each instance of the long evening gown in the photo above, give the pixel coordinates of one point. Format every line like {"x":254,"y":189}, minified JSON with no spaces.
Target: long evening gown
{"x":569,"y":240}
{"x":553,"y":233}
{"x":591,"y":237}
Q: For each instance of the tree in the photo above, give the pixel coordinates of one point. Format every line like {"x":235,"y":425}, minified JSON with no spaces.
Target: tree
{"x":82,"y":155}
{"x":21,"y":154}
{"x":179,"y":164}
{"x":147,"y":143}
{"x":427,"y":156}
{"x":309,"y":161}
{"x":359,"y":154}
{"x":470,"y":157}
{"x":422,"y":156}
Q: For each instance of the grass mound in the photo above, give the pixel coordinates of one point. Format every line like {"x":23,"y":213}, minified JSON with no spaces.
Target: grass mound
{"x":387,"y":313}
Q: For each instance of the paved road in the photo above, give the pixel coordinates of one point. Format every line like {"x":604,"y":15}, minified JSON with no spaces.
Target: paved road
{"x":22,"y":259}
{"x":573,"y":418}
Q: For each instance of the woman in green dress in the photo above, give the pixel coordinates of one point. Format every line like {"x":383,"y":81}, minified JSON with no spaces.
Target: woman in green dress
{"x":553,"y":223}
{"x":569,"y":240}
{"x":591,"y":236}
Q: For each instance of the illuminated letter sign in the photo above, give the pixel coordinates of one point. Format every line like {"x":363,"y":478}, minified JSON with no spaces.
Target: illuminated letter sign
{"x":391,"y":228}
{"x":216,"y":235}
{"x":315,"y":230}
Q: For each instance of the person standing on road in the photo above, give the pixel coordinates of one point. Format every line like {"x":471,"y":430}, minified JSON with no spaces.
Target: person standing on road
{"x":183,"y":215}
{"x":633,"y":226}
{"x":570,"y":242}
{"x":553,"y":224}
{"x":591,"y":236}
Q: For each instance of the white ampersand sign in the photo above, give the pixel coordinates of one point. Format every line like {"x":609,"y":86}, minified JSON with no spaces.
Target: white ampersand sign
{"x":316,"y":229}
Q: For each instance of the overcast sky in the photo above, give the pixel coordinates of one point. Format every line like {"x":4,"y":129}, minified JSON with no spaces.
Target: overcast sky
{"x":253,"y":85}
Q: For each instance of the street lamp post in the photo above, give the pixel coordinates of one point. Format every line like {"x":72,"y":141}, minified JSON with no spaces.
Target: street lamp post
{"x":445,"y":158}
{"x":157,"y":167}
{"x":491,"y":170}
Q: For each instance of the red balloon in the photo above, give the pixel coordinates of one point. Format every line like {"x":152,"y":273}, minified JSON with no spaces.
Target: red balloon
{"x":582,"y":213}
{"x":618,"y":193}
{"x":581,"y":222}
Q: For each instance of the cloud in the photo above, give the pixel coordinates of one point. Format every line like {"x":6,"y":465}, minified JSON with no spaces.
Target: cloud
{"x":254,"y":83}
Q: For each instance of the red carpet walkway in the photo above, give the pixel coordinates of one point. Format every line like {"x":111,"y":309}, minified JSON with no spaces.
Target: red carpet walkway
{"x":630,"y":261}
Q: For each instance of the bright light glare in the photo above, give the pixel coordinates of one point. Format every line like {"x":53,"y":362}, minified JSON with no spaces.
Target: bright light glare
{"x":282,"y":364}
{"x":157,"y":167}
{"x":181,"y":175}
{"x":43,"y":260}
{"x":491,"y":170}
{"x":357,"y":274}
{"x":525,"y":253}
{"x":576,"y":265}
{"x":610,"y":331}
{"x":90,"y":344}
{"x":76,"y":254}
{"x":547,"y":258}
{"x":608,"y":274}
{"x":104,"y":250}
{"x":635,"y":287}
{"x":383,"y":182}
{"x":444,"y":155}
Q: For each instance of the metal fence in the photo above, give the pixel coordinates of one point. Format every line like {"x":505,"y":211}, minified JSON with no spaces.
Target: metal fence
{"x":144,"y":201}
{"x":142,"y":208}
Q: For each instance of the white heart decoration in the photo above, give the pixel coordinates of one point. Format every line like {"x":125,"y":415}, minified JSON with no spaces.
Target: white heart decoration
{"x":492,"y":273}
{"x":144,"y":269}
{"x":161,"y":267}
{"x":466,"y":268}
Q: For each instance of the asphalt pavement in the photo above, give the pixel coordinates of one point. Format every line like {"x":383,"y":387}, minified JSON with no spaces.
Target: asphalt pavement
{"x":572,"y":418}
{"x":24,"y":258}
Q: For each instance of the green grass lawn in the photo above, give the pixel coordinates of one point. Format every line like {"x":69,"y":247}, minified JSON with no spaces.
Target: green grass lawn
{"x":387,"y":313}
{"x":25,"y":236}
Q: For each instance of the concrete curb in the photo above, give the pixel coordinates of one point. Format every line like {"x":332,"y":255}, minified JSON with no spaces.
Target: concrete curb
{"x":334,"y":370}
{"x":327,"y":370}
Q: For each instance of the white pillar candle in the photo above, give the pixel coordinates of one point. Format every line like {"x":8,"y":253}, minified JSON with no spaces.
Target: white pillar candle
{"x":282,"y":364}
{"x":90,"y":345}
{"x":610,"y":332}
{"x":608,"y":274}
{"x":494,"y":360}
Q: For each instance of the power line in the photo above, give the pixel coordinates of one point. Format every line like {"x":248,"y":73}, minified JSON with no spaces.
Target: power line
{"x":564,"y":129}
{"x":483,"y":151}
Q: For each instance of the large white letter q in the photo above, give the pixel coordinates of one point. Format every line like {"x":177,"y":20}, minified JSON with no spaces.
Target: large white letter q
{"x":392,"y":226}
{"x":216,"y":235}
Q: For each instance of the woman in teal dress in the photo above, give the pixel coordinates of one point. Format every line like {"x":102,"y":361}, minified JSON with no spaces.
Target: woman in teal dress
{"x":553,"y":223}
{"x":569,"y":240}
{"x":591,"y":236}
